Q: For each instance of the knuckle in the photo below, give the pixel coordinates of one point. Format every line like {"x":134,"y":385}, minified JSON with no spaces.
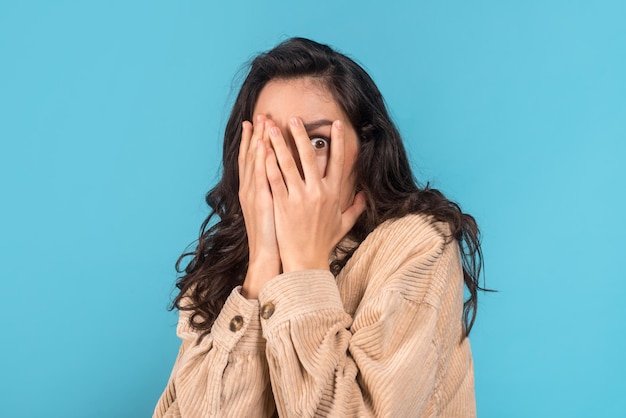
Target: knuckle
{"x":315,"y":194}
{"x":273,"y":176}
{"x":289,"y":164}
{"x":308,"y":156}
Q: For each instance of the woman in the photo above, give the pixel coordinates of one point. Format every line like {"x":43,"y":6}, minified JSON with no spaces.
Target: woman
{"x":331,"y":283}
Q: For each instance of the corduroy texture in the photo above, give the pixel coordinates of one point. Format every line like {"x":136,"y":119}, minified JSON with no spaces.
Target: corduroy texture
{"x":384,"y":339}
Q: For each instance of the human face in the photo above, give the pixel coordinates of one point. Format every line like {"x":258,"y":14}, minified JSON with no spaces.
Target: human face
{"x":310,"y":100}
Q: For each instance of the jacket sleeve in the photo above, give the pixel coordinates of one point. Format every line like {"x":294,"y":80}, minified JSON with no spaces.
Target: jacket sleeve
{"x":223,"y":374}
{"x":383,"y":362}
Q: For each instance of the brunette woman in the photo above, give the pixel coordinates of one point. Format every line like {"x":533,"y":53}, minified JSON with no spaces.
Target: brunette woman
{"x":326,"y":280}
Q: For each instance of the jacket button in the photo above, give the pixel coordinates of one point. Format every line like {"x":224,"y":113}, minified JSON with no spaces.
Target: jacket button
{"x":267,"y":310}
{"x":236,"y":323}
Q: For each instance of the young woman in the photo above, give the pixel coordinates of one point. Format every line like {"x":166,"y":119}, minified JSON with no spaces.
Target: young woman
{"x":331,"y":283}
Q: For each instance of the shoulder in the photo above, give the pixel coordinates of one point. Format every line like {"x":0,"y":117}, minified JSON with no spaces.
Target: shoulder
{"x":414,"y":256}
{"x":411,"y":235}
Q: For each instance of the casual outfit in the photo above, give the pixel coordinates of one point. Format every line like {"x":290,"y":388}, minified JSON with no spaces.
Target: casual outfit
{"x":382,"y":339}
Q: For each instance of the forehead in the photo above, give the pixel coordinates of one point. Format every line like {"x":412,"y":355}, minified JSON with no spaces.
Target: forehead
{"x":303,"y":97}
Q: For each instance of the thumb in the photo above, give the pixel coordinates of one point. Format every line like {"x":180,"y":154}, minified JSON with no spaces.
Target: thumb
{"x":352,"y":213}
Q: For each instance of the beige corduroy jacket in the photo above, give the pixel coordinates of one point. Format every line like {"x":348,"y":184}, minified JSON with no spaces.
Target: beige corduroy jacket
{"x":383,"y":339}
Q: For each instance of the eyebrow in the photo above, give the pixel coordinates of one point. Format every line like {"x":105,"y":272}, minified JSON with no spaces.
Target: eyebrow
{"x":309,"y":126}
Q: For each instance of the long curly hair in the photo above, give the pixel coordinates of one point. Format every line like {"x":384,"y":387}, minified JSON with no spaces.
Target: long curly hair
{"x":382,"y":170}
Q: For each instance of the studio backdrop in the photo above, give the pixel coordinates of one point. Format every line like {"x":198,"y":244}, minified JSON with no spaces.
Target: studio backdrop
{"x":111,"y":122}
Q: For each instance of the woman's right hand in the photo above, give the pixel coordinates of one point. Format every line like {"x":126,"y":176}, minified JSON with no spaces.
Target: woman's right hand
{"x":257,"y":206}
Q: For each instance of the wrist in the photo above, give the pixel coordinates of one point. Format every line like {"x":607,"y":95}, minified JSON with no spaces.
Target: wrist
{"x":309,"y":264}
{"x":259,"y":272}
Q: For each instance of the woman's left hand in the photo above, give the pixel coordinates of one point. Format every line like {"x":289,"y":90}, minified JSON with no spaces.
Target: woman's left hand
{"x":308,"y":214}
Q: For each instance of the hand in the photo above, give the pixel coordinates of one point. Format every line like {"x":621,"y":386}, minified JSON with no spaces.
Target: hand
{"x":307,"y":211}
{"x":257,"y":206}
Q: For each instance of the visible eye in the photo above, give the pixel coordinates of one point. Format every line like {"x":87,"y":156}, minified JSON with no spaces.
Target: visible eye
{"x":322,"y":150}
{"x":319,"y":143}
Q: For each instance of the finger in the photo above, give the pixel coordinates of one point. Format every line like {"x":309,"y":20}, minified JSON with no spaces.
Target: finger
{"x":352,"y":213}
{"x":334,"y":172}
{"x":260,"y":176}
{"x":275,"y":175}
{"x":269,"y":124}
{"x":250,"y":154}
{"x":284,"y":159}
{"x":257,"y":133}
{"x":246,"y":135}
{"x":305,"y":151}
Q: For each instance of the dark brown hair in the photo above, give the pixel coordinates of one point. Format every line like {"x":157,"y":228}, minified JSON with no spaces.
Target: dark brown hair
{"x":382,"y":170}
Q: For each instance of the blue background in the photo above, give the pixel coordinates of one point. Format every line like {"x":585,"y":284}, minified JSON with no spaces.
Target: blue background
{"x":111,"y":116}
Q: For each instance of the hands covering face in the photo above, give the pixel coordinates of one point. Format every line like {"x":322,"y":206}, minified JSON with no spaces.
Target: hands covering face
{"x":257,"y":206}
{"x":293,"y":219}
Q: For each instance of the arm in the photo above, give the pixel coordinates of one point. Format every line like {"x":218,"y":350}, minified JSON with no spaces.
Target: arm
{"x":393,"y":358}
{"x":385,"y":362}
{"x":225,"y":374}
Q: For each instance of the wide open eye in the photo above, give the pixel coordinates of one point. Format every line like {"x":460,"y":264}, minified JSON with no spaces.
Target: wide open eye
{"x":322,"y":151}
{"x":319,"y":143}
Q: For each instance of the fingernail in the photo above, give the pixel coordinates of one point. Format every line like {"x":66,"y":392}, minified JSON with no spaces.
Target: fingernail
{"x":274,"y":131}
{"x":294,"y":121}
{"x":338,"y":124}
